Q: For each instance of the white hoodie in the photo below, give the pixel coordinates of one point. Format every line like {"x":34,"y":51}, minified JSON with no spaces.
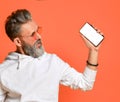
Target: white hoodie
{"x":27,"y":79}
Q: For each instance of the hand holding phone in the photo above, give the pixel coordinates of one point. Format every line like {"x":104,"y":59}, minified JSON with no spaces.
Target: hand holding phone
{"x":91,"y":34}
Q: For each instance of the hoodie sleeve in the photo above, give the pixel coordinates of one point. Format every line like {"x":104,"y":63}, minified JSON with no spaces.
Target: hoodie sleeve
{"x":2,"y":91}
{"x":69,"y":76}
{"x":2,"y":94}
{"x":77,"y":80}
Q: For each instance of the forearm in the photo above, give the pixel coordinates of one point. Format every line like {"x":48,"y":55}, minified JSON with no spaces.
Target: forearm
{"x":93,"y":59}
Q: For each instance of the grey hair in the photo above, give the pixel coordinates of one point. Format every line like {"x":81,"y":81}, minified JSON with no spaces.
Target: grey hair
{"x":15,"y":20}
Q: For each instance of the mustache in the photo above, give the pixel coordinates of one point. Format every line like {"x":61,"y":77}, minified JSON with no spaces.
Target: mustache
{"x":38,"y":42}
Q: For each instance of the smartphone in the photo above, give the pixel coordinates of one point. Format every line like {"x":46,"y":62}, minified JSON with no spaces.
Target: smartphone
{"x":90,"y":33}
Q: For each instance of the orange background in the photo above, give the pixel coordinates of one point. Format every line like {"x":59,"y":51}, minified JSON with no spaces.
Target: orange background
{"x":61,"y":21}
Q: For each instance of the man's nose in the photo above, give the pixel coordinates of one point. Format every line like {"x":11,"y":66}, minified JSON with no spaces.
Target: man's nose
{"x":38,"y":36}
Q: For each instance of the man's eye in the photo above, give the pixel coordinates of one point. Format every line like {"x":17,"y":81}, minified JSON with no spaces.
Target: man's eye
{"x":32,"y":34}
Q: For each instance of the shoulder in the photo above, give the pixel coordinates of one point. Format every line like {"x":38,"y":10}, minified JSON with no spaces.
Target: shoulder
{"x":50,"y":56}
{"x":3,"y":65}
{"x":53,"y":58}
{"x":6,"y":63}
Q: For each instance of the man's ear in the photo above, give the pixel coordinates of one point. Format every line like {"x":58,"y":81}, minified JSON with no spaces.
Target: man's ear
{"x":17,"y":42}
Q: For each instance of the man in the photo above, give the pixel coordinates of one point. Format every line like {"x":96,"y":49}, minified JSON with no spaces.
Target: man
{"x":32,"y":75}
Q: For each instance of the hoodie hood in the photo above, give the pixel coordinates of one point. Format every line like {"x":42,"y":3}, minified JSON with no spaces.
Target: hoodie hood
{"x":21,"y":59}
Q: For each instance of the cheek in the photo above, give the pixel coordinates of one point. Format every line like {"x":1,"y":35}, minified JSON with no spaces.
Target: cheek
{"x":30,"y":41}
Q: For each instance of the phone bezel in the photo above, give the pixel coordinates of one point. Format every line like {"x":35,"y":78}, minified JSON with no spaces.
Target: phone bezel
{"x":87,"y":38}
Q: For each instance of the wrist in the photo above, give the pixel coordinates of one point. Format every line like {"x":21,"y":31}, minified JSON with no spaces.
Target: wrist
{"x":94,"y":50}
{"x":92,"y":64}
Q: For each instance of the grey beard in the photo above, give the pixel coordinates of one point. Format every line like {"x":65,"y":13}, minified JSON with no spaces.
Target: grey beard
{"x":32,"y":50}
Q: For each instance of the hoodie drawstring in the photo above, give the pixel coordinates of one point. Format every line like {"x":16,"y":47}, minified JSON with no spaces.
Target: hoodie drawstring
{"x":18,"y":62}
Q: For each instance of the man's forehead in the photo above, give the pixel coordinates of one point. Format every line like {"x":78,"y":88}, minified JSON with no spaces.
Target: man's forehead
{"x":29,"y":24}
{"x":28,"y":27}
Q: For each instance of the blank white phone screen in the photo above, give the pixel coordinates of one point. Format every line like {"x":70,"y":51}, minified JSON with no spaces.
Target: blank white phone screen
{"x":91,"y":34}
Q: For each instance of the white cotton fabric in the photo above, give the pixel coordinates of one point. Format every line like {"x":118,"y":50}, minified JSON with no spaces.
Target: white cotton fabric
{"x":27,"y":79}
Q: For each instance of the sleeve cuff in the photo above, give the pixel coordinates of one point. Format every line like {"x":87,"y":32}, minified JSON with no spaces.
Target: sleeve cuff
{"x":90,"y":74}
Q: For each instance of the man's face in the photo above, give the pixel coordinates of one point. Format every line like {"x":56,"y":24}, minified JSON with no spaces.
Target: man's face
{"x":31,"y":39}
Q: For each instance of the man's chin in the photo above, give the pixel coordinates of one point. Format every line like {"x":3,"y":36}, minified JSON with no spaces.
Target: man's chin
{"x":39,"y":52}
